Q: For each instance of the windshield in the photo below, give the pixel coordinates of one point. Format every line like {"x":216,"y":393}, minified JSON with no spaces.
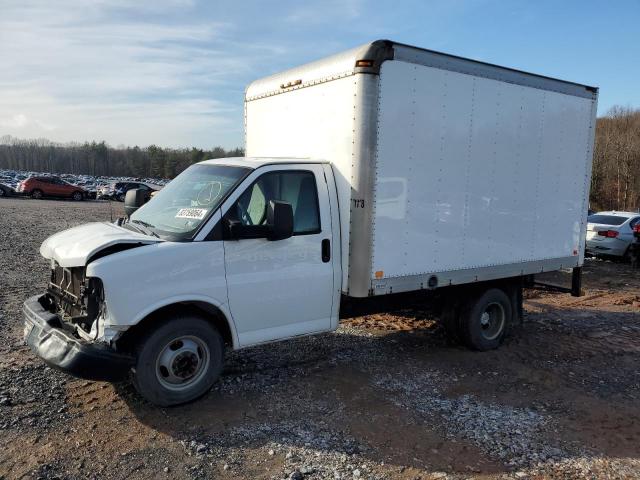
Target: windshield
{"x":178,"y":210}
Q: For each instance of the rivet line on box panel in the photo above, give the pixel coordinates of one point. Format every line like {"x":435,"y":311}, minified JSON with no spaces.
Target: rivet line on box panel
{"x":465,"y":215}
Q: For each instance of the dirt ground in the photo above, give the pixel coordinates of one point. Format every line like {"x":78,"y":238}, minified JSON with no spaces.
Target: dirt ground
{"x":385,"y":396}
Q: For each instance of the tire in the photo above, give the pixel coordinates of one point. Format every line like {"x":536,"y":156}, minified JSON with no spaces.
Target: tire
{"x":179,"y":361}
{"x":2,"y":194}
{"x":37,"y":194}
{"x":120,"y":197}
{"x":485,"y":320}
{"x":77,"y":196}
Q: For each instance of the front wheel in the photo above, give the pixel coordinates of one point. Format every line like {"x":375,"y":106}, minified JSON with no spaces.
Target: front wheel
{"x":36,"y":194}
{"x":77,"y":196}
{"x":179,"y":361}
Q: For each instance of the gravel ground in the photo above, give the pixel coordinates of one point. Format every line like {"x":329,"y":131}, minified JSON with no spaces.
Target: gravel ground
{"x":385,"y":396}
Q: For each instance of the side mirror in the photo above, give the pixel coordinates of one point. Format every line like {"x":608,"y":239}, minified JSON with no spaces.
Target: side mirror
{"x":133,"y":200}
{"x":280,"y":220}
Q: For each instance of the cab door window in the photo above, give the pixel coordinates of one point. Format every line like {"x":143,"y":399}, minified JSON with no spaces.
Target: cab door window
{"x":295,"y":187}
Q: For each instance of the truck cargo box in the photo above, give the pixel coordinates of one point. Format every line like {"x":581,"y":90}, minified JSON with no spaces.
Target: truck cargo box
{"x":448,"y":170}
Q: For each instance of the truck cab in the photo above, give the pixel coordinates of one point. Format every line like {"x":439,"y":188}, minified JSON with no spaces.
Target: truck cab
{"x":232,"y":253}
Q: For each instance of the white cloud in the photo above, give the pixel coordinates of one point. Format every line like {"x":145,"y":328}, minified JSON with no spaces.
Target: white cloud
{"x":17,"y":121}
{"x":106,"y":70}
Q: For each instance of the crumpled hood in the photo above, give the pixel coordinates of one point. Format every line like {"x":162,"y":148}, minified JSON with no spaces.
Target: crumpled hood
{"x":73,"y":247}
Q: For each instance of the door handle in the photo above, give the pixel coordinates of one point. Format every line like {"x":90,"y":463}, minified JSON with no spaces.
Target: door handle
{"x":326,"y":250}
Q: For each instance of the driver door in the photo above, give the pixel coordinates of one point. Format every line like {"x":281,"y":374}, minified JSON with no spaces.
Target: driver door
{"x":279,"y":289}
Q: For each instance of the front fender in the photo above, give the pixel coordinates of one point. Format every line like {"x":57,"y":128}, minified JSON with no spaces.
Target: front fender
{"x":139,"y":281}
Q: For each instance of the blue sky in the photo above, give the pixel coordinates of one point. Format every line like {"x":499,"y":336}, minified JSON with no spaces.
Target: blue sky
{"x":172,"y":73}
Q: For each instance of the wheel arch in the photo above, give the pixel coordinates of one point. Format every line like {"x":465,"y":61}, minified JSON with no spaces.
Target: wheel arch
{"x":212,"y":313}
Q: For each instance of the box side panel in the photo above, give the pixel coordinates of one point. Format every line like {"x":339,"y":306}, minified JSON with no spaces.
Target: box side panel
{"x":475,"y":173}
{"x":314,"y":122}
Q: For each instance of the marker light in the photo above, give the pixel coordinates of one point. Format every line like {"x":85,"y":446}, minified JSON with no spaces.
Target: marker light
{"x":364,"y":63}
{"x":291,"y":84}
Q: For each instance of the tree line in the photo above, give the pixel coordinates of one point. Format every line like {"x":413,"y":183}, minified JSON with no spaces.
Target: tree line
{"x":615,"y":182}
{"x":615,"y":178}
{"x":100,"y":159}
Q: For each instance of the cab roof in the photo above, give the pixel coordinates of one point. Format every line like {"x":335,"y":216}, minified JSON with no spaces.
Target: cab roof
{"x":255,"y":162}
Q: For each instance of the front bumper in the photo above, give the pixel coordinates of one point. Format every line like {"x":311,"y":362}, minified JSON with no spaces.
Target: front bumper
{"x":60,"y":349}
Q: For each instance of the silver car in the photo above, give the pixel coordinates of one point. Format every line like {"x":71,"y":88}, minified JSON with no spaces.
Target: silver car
{"x":611,"y":233}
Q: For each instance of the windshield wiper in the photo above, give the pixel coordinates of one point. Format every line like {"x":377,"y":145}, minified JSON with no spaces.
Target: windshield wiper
{"x":146,"y":227}
{"x":143,"y":223}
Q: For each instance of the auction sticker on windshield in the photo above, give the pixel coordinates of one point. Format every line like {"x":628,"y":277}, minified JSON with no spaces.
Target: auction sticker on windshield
{"x":195,"y":213}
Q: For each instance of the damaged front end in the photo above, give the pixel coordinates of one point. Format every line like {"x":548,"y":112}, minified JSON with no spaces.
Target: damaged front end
{"x":78,"y":300}
{"x":66,"y":325}
{"x":63,"y":326}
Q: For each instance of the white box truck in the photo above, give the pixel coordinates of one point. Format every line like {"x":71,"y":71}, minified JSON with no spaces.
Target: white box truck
{"x":384,"y":174}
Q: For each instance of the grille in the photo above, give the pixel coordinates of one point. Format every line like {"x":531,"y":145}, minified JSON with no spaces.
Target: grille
{"x":67,"y":286}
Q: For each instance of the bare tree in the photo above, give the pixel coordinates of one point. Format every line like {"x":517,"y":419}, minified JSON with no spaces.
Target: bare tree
{"x":615,"y":182}
{"x":98,"y":158}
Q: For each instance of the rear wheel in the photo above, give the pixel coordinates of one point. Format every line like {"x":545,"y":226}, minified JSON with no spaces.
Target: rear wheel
{"x":485,"y":319}
{"x":2,"y":194}
{"x":77,"y":196}
{"x":37,"y":194}
{"x":178,"y":361}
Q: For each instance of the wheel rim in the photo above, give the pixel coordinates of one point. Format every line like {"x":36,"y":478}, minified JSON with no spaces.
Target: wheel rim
{"x":37,"y":194}
{"x":182,"y":362}
{"x":1,"y":193}
{"x":492,"y":321}
{"x":76,"y":196}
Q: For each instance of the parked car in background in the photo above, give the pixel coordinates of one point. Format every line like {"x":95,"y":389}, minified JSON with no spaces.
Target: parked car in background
{"x":6,"y":190}
{"x":91,"y":192}
{"x":118,"y":190}
{"x":50,"y":186}
{"x":92,"y":186}
{"x":611,"y":233}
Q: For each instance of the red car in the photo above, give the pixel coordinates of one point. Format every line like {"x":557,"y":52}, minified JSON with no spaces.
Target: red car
{"x":39,"y":187}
